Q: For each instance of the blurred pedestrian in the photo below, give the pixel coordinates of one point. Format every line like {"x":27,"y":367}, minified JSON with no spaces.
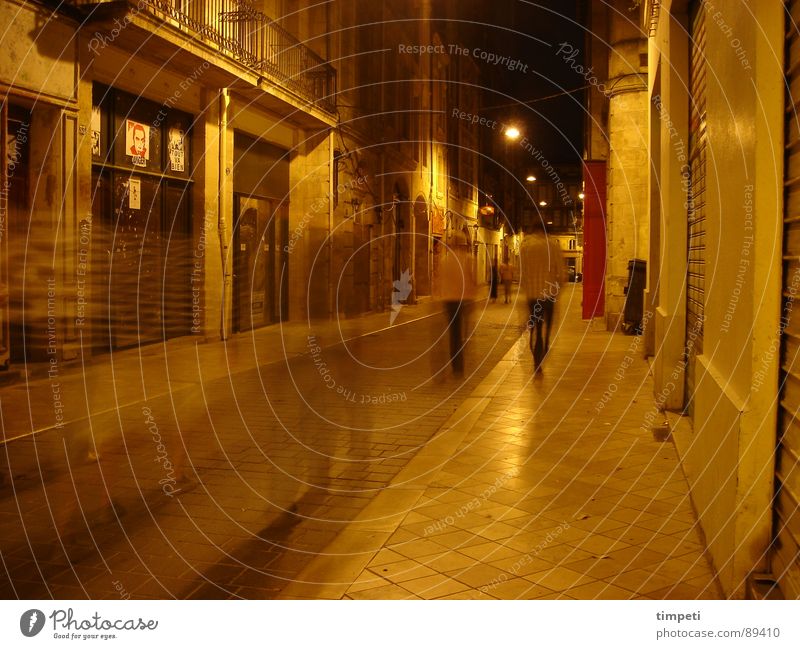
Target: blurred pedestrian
{"x":458,"y":290}
{"x":541,"y":276}
{"x":493,"y":283}
{"x":506,"y":276}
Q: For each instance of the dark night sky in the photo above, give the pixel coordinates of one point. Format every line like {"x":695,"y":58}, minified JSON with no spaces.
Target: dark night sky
{"x":530,"y":32}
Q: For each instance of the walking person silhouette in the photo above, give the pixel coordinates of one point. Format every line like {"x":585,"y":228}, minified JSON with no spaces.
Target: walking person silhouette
{"x":458,"y":290}
{"x":541,"y":275}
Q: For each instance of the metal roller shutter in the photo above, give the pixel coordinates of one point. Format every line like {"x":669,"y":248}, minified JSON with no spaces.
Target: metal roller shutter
{"x":785,"y":560}
{"x":695,"y":277}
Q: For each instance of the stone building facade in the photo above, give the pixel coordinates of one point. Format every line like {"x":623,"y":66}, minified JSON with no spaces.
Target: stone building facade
{"x":210,"y":169}
{"x":721,"y":115}
{"x":616,"y":134}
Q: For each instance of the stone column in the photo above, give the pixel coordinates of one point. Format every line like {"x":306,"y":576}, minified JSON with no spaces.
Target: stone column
{"x":628,"y":228}
{"x":216,"y":228}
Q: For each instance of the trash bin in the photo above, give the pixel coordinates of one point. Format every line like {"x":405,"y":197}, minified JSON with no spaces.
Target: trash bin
{"x":634,"y":301}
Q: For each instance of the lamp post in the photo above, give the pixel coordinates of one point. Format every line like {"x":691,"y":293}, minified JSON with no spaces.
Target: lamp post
{"x":511,"y":134}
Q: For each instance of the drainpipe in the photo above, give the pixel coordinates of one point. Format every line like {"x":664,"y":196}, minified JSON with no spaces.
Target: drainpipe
{"x":387,"y":288}
{"x":430,"y":161}
{"x":224,"y":99}
{"x":331,"y":161}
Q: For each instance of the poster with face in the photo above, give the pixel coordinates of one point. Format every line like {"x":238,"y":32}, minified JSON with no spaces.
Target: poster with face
{"x":96,"y":130}
{"x":137,"y":137}
{"x":176,"y":149}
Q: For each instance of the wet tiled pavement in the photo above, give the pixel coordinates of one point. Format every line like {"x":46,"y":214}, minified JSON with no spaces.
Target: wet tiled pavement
{"x":285,"y":464}
{"x":544,"y":487}
{"x":222,"y":472}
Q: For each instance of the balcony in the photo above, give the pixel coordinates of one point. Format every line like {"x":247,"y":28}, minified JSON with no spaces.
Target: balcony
{"x":238,"y":30}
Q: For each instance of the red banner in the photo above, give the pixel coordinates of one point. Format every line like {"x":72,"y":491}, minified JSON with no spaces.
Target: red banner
{"x":594,"y":239}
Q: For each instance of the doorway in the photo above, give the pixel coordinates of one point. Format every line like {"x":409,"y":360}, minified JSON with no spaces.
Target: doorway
{"x":261,"y":237}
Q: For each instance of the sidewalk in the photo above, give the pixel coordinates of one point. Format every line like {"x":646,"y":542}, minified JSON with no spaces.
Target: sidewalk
{"x":40,"y":415}
{"x":546,"y":488}
{"x":277,"y":462}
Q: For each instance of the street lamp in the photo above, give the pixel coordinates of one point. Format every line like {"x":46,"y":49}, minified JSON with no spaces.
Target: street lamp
{"x":487,"y":209}
{"x":512,"y":132}
{"x":531,"y":178}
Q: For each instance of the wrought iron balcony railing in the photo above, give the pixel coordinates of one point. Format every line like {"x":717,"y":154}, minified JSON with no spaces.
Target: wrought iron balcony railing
{"x":249,"y":36}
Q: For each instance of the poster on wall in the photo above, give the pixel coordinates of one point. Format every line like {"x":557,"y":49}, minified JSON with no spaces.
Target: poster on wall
{"x":176,"y":149}
{"x":96,"y":130}
{"x":135,"y":193}
{"x":137,"y":136}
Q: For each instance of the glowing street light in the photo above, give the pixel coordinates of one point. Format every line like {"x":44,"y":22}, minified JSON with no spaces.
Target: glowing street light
{"x":581,"y":195}
{"x":512,"y":133}
{"x":531,"y":178}
{"x":543,"y":203}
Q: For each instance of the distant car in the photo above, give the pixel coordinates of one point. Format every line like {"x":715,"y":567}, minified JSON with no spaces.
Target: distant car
{"x":572,"y":276}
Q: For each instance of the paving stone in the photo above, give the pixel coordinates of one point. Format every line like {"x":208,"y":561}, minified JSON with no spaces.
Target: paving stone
{"x":402,"y":571}
{"x":433,"y":586}
{"x":390,"y":591}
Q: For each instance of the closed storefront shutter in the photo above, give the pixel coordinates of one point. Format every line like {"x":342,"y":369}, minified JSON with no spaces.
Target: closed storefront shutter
{"x":786,"y":544}
{"x":143,"y":268}
{"x":695,"y":278}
